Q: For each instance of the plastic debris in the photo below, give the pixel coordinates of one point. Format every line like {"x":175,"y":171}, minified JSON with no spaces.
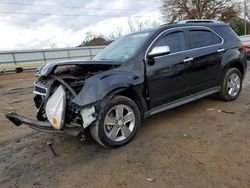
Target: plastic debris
{"x":150,"y":179}
{"x":210,"y":109}
{"x":227,"y":112}
{"x":224,"y":111}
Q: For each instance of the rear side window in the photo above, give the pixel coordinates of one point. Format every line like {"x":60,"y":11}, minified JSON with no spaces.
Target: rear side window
{"x":202,"y":38}
{"x":227,"y":33}
{"x":175,"y":41}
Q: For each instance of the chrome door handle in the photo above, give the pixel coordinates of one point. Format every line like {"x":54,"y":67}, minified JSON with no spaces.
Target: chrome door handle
{"x":220,"y":50}
{"x":188,"y":60}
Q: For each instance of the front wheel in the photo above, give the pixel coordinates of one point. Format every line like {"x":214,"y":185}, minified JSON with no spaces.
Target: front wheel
{"x":118,"y":122}
{"x":231,"y":86}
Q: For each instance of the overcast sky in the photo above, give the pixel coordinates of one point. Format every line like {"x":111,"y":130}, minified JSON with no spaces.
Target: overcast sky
{"x":29,"y":24}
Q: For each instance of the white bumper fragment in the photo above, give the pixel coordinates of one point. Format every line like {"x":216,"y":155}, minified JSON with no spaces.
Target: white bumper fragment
{"x":87,"y":116}
{"x":55,"y":108}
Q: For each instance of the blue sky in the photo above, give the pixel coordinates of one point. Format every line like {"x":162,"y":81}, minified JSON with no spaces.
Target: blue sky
{"x":29,"y":24}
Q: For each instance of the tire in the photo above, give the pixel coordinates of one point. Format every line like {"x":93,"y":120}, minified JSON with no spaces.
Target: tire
{"x":231,"y":85}
{"x":117,"y":123}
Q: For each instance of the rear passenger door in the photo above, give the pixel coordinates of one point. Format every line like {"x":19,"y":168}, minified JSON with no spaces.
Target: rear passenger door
{"x":206,"y":50}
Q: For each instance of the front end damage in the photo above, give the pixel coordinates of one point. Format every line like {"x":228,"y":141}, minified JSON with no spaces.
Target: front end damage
{"x":55,"y":89}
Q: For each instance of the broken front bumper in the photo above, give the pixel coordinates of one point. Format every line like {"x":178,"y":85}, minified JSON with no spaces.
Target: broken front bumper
{"x":40,"y":125}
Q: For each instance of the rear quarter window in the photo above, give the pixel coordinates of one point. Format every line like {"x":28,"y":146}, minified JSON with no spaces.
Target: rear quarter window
{"x":226,"y":32}
{"x":202,"y":38}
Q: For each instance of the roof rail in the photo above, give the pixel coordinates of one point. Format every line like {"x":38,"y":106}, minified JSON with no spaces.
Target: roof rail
{"x":197,"y":21}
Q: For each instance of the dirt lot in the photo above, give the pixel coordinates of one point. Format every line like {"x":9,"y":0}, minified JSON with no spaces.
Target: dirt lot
{"x":191,"y":146}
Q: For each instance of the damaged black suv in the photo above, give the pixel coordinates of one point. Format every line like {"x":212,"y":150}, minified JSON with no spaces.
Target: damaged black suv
{"x":138,"y":75}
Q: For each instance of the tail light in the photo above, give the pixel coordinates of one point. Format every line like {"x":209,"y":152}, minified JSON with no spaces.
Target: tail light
{"x":244,"y":48}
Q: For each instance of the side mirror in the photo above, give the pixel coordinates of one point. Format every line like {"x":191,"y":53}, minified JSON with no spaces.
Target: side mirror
{"x":158,"y":51}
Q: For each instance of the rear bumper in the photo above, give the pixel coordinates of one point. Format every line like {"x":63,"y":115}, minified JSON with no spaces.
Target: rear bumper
{"x":40,"y":125}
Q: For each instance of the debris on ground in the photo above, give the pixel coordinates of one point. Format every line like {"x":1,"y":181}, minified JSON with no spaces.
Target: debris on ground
{"x":18,"y":88}
{"x":224,"y":111}
{"x":16,"y":101}
{"x":50,"y":145}
{"x":14,"y":89}
{"x":150,"y":179}
{"x":210,"y":109}
{"x":227,"y":112}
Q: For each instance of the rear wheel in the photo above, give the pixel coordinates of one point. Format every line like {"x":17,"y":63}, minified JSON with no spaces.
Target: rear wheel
{"x":118,"y":122}
{"x":231,"y":86}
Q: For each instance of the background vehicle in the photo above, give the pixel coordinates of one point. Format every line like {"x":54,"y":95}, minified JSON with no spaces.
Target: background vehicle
{"x":246,"y":40}
{"x":138,"y":75}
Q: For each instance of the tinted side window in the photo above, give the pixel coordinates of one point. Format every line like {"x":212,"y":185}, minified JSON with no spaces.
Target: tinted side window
{"x":202,"y":38}
{"x":227,"y":33}
{"x":175,"y":41}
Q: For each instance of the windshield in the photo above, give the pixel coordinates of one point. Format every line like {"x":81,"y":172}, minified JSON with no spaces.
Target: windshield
{"x":123,"y":48}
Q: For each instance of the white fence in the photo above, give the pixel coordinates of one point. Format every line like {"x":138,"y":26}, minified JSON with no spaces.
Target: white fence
{"x":31,"y":59}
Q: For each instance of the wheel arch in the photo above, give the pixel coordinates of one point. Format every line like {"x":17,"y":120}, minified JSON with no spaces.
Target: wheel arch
{"x":233,"y":58}
{"x":134,"y":96}
{"x":96,"y":88}
{"x":130,"y":93}
{"x":238,"y":65}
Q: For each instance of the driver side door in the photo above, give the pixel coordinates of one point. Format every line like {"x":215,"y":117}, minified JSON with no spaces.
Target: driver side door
{"x":170,"y":77}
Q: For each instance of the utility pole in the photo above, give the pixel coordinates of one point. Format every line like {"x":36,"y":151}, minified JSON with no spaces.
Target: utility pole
{"x":245,"y":17}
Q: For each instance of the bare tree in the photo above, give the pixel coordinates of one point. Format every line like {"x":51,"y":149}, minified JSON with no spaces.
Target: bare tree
{"x":137,"y":25}
{"x":117,"y":33}
{"x":223,"y":10}
{"x":133,"y":25}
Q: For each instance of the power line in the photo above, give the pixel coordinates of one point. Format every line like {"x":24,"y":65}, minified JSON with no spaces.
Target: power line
{"x":60,"y":6}
{"x":68,"y":7}
{"x":66,"y":15}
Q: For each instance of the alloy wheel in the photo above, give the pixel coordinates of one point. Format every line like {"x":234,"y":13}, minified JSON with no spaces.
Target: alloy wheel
{"x":233,"y":84}
{"x":119,"y":122}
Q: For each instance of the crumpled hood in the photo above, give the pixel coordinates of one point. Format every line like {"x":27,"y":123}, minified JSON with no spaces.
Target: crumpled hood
{"x":49,"y":67}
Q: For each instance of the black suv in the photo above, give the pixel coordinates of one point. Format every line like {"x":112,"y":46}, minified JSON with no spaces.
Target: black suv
{"x":138,"y":75}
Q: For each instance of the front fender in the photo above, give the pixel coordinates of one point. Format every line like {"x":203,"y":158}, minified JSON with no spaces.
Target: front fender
{"x":98,"y":86}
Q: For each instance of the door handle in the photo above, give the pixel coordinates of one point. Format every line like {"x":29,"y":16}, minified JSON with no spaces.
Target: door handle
{"x":220,"y":50}
{"x":188,"y":60}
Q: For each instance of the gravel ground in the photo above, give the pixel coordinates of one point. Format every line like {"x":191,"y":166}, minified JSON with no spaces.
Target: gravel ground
{"x":196,"y":145}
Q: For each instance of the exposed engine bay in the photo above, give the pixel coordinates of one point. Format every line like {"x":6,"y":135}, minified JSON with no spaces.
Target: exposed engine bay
{"x":55,"y":91}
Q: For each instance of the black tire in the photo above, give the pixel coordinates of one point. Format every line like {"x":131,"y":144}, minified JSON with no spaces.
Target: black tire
{"x":225,"y":93}
{"x":99,"y":129}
